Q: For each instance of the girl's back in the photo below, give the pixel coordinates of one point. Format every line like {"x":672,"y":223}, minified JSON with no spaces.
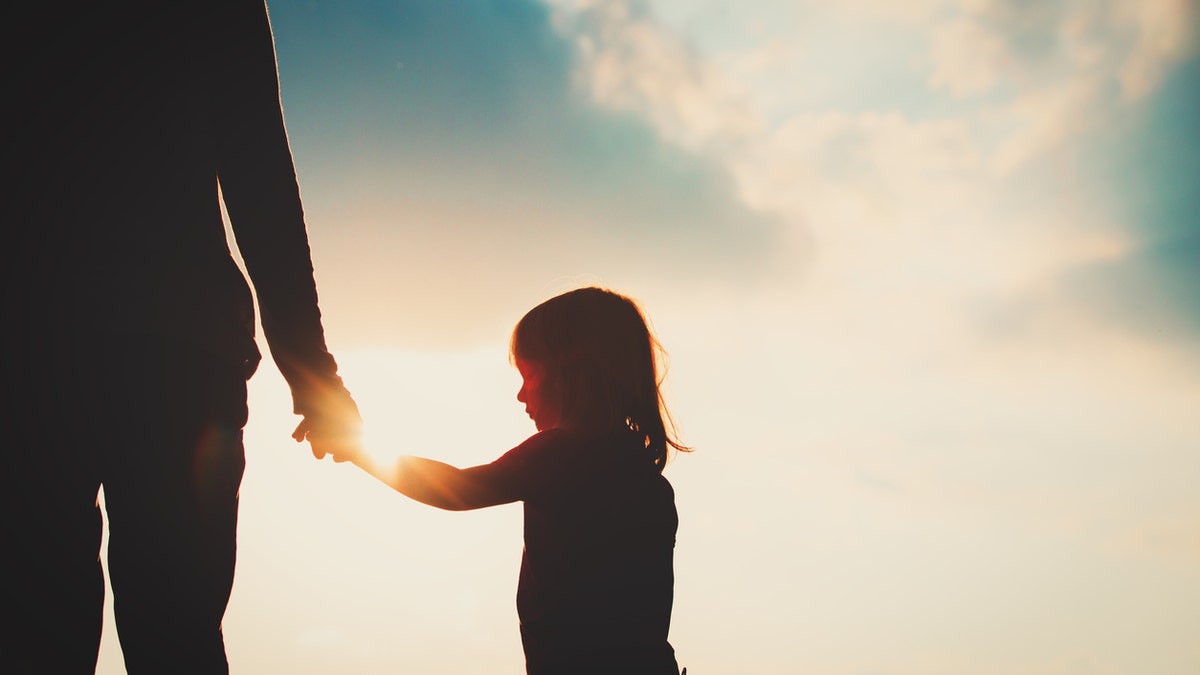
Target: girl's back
{"x":597,"y":576}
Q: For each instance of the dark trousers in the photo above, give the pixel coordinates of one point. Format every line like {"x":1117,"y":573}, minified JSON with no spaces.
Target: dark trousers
{"x":161,"y":429}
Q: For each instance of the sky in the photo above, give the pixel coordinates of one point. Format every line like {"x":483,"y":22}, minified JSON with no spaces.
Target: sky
{"x":927,"y":273}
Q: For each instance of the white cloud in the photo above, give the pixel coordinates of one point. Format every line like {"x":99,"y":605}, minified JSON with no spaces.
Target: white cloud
{"x":1040,"y":75}
{"x":1053,"y":63}
{"x":1044,"y":119}
{"x":1031,"y":80}
{"x":628,"y":63}
{"x":1166,"y":33}
{"x":869,"y":166}
{"x":968,"y":58}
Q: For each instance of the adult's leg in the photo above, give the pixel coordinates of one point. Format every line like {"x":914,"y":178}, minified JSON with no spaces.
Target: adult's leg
{"x":53,"y":589}
{"x":171,"y":493}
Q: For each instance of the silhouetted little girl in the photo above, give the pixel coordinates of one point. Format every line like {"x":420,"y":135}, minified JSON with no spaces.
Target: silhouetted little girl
{"x":597,"y":576}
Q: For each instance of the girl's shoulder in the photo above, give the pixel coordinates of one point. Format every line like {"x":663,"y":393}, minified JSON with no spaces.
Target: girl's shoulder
{"x":541,"y":444}
{"x":581,"y":438}
{"x":561,"y":461}
{"x":558,"y":445}
{"x":553,"y":440}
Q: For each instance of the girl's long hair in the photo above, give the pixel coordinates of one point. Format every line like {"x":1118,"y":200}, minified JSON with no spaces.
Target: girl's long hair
{"x":601,"y":361}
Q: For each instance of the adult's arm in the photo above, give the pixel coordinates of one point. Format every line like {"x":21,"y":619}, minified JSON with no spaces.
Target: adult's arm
{"x":261,"y":192}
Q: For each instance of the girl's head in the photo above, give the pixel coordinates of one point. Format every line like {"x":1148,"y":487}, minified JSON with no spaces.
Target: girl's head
{"x":589,"y":361}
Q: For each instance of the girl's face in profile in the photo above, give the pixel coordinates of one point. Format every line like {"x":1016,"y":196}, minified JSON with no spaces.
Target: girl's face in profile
{"x":540,"y":403}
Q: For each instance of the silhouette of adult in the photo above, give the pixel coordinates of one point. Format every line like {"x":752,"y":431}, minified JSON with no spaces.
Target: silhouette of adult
{"x":129,"y":327}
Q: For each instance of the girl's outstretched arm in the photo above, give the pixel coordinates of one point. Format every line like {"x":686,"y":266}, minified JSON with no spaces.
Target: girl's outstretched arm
{"x":439,"y":484}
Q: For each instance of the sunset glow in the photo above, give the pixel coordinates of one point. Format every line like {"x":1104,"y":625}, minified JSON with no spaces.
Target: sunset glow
{"x":926,"y":273}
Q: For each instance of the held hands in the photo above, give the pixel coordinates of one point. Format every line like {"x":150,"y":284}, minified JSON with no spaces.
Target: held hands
{"x":334,"y":427}
{"x":329,"y":438}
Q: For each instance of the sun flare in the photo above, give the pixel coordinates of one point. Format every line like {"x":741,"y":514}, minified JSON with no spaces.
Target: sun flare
{"x":459,"y":407}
